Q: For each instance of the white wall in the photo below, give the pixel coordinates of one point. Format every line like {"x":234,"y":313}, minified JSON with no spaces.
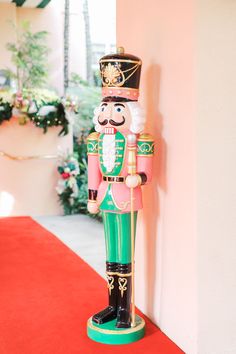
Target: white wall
{"x":27,"y":187}
{"x":216,"y":175}
{"x":166,"y":244}
{"x":7,"y":18}
{"x":186,"y":243}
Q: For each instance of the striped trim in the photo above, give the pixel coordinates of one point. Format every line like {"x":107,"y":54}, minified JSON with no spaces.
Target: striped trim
{"x":30,"y":3}
{"x":19,"y":2}
{"x":43,"y":3}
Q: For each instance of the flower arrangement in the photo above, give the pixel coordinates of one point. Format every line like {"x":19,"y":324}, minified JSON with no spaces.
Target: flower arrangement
{"x":40,"y":106}
{"x":67,"y":186}
{"x":72,"y":187}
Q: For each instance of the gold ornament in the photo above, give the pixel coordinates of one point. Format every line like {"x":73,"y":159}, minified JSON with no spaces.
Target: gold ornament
{"x":110,"y":74}
{"x":110,"y":281}
{"x":22,"y":119}
{"x":122,"y":285}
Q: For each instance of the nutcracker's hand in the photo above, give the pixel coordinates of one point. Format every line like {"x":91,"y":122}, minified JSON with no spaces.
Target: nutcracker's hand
{"x":133,"y":181}
{"x":92,"y":207}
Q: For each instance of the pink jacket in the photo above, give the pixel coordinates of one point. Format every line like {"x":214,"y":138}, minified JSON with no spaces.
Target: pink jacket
{"x":120,"y":192}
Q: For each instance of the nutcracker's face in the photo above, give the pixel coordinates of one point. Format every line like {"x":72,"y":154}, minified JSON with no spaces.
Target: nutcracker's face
{"x":114,"y":114}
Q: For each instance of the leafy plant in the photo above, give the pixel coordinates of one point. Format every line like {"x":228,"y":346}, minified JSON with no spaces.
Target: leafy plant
{"x":29,"y":55}
{"x":76,"y":80}
{"x":97,"y":78}
{"x":89,"y":98}
{"x":5,"y":111}
{"x":78,"y":204}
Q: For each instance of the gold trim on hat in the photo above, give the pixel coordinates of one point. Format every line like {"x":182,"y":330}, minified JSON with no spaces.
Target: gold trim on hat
{"x":110,"y":73}
{"x":121,"y":61}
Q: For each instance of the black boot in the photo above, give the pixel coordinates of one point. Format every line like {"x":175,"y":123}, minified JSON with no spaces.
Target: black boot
{"x":124,"y":300}
{"x":110,"y":312}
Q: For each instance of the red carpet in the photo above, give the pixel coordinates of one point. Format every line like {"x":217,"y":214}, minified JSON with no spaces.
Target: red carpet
{"x":47,"y":293}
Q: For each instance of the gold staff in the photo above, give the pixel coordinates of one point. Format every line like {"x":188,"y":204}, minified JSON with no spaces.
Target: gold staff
{"x":132,"y":171}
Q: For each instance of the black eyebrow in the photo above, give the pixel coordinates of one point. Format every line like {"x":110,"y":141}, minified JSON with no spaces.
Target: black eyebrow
{"x":104,"y":104}
{"x":119,"y":104}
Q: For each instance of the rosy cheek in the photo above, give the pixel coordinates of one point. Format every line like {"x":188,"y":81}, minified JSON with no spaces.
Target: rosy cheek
{"x":118,"y":116}
{"x":101,"y":115}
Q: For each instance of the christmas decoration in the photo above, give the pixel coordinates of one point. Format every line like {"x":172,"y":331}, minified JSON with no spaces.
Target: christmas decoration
{"x":72,"y":185}
{"x":120,"y":158}
{"x":40,"y":106}
{"x":67,"y":187}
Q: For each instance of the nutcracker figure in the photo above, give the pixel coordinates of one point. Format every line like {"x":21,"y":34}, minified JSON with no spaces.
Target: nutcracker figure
{"x":119,"y":163}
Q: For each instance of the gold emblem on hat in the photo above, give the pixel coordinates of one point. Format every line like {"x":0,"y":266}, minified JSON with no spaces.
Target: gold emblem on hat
{"x":113,"y":76}
{"x":110,"y":75}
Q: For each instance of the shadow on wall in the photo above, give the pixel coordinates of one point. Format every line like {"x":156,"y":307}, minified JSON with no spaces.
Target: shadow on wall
{"x":151,"y":211}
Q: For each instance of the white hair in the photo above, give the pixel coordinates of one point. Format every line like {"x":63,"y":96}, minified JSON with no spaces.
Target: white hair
{"x":138,"y":118}
{"x":96,"y":112}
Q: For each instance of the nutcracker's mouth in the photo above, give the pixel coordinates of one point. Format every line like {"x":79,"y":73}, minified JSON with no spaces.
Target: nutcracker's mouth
{"x":111,"y":121}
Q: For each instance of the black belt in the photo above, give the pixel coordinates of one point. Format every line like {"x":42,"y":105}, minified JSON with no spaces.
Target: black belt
{"x":115,"y":179}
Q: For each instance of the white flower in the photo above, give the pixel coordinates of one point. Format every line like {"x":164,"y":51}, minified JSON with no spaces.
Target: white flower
{"x":61,"y":186}
{"x":43,"y":111}
{"x":72,"y":183}
{"x":6,"y":96}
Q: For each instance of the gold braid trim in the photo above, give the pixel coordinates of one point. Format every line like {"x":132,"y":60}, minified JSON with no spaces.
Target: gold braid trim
{"x":110,"y":282}
{"x":122,"y":285}
{"x":124,"y":275}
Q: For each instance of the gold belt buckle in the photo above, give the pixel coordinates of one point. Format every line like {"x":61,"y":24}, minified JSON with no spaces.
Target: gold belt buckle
{"x":114,"y":179}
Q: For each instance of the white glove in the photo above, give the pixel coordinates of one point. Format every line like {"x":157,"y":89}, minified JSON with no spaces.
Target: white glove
{"x":133,"y":181}
{"x":92,"y":207}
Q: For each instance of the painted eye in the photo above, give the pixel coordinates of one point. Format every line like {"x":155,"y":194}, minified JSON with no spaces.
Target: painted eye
{"x":103,"y":108}
{"x":119,"y":109}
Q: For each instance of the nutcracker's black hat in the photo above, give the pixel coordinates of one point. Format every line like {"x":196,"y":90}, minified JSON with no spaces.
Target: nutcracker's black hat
{"x":120,"y":74}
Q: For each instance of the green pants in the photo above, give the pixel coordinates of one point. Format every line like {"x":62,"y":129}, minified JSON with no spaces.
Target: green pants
{"x":117,"y":229}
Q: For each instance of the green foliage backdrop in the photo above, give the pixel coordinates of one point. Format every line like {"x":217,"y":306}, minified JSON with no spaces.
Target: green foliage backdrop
{"x":88,"y":99}
{"x":29,"y":54}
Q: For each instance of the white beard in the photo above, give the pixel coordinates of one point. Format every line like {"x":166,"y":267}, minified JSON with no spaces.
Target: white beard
{"x":109,"y":151}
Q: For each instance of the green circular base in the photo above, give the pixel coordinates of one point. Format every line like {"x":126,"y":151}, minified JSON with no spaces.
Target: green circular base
{"x":107,"y":333}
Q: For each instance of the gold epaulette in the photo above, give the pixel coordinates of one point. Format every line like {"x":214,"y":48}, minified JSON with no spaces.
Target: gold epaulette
{"x":145,"y":145}
{"x":93,"y":136}
{"x":145,"y":137}
{"x":92,"y":143}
